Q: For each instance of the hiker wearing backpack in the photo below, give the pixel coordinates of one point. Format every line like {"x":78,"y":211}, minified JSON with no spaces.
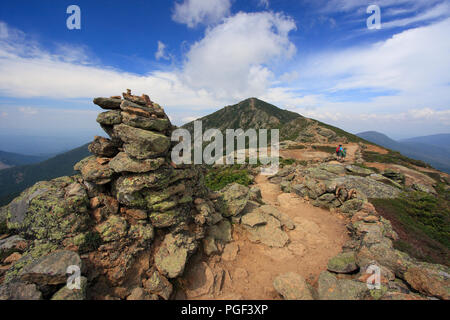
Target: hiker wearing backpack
{"x":338,"y":152}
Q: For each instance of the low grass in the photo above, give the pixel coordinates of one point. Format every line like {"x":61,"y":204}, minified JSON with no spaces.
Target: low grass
{"x":393,"y":157}
{"x":218,"y":178}
{"x":423,"y":223}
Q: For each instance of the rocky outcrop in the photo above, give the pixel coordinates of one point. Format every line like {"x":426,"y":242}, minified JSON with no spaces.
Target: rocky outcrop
{"x":130,"y":220}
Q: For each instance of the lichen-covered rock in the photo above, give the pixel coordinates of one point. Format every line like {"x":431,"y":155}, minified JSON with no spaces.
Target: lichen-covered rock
{"x":12,"y":244}
{"x":141,"y":231}
{"x":153,"y":124}
{"x":397,"y":176}
{"x":142,"y":144}
{"x":343,"y":263}
{"x":18,"y":290}
{"x":113,"y":229}
{"x":50,"y":210}
{"x":331,"y":288}
{"x":50,"y":269}
{"x":432,"y":280}
{"x":357,"y":170}
{"x":369,"y":187}
{"x":158,"y":284}
{"x":93,"y":171}
{"x":386,"y":256}
{"x":220,"y":231}
{"x":352,"y":205}
{"x":235,"y":197}
{"x":108,"y":103}
{"x":423,"y":188}
{"x":66,"y":294}
{"x":172,"y":255}
{"x":103,"y":147}
{"x":293,"y":287}
{"x":109,"y":118}
{"x":122,"y":162}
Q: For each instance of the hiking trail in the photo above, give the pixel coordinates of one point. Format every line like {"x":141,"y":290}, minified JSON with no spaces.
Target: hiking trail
{"x":246,"y":270}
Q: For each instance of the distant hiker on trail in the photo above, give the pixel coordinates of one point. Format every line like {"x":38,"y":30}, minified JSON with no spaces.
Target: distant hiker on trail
{"x":339,"y":152}
{"x":344,"y":153}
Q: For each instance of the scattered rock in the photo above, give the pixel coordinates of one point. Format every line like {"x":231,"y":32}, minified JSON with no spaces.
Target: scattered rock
{"x":67,"y":294}
{"x":50,"y":269}
{"x":159,"y":285}
{"x":235,"y":197}
{"x":343,"y":263}
{"x":19,"y":291}
{"x":293,"y":287}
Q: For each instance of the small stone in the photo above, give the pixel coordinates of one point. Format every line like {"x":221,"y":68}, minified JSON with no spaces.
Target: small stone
{"x":12,"y":258}
{"x":137,"y":214}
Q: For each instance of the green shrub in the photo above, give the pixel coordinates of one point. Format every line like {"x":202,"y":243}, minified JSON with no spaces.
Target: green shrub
{"x":421,"y":212}
{"x":218,"y":178}
{"x":92,"y":241}
{"x":392,"y":157}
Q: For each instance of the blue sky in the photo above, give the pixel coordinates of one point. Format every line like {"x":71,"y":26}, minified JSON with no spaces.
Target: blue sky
{"x":314,"y":57}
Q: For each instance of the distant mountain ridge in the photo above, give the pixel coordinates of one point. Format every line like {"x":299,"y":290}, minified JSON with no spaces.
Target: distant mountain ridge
{"x":254,"y":113}
{"x":15,"y":180}
{"x":9,"y":159}
{"x":420,"y":148}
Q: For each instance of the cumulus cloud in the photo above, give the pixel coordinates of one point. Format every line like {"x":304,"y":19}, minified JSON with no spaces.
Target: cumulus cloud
{"x":231,"y":62}
{"x":233,"y":58}
{"x":195,"y":12}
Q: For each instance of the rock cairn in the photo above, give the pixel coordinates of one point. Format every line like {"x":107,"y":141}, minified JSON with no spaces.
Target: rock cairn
{"x":130,"y":220}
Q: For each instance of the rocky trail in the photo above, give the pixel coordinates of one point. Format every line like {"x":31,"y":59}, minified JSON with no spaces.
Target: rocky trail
{"x":250,"y":268}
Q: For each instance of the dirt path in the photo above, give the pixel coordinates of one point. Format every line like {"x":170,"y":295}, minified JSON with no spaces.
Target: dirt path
{"x":311,"y":154}
{"x":249,"y":274}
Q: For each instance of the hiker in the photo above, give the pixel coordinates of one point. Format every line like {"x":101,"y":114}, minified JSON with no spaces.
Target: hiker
{"x":344,"y":153}
{"x":339,"y":151}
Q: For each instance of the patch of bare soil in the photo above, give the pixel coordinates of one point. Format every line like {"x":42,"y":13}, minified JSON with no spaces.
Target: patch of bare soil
{"x":412,"y":176}
{"x":372,"y":148}
{"x":311,"y":154}
{"x":246,"y":270}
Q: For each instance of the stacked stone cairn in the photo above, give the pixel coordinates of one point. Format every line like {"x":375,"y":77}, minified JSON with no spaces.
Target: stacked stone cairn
{"x":130,"y":221}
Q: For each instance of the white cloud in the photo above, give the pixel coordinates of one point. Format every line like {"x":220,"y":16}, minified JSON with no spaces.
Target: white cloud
{"x":234,"y":58}
{"x":161,"y":52}
{"x":195,"y":12}
{"x":233,"y":61}
{"x":439,"y":11}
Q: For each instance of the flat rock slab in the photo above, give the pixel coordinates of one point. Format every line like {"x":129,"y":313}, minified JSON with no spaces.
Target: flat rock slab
{"x":50,"y":269}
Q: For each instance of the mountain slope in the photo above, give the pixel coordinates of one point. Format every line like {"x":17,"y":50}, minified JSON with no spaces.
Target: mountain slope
{"x":438,"y":157}
{"x":438,"y":140}
{"x":9,"y":159}
{"x":257,"y":114}
{"x":15,"y":180}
